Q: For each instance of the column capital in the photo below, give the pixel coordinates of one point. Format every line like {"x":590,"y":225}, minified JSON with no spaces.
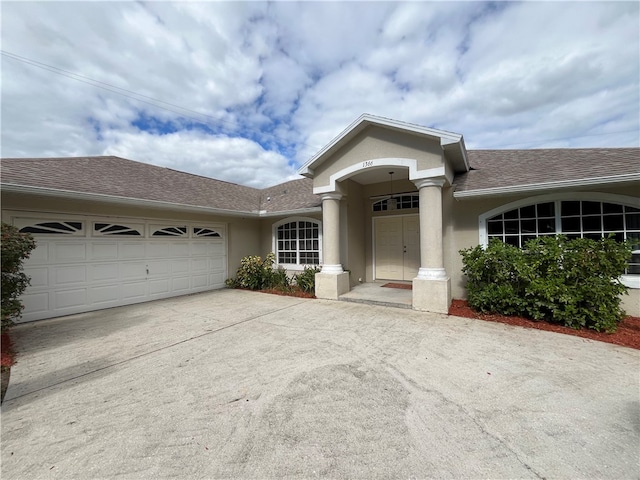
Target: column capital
{"x":429,"y":182}
{"x":330,"y":196}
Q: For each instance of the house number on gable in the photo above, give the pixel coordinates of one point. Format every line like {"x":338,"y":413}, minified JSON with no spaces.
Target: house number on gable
{"x":368,"y":163}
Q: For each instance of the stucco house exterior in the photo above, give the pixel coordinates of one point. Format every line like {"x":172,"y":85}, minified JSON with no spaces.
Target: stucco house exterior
{"x":384,"y":200}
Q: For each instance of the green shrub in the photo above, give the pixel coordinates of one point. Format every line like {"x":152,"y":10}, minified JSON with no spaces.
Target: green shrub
{"x":16,"y":248}
{"x":279,"y":280}
{"x":254,"y":273}
{"x":571,"y":282}
{"x":306,"y":280}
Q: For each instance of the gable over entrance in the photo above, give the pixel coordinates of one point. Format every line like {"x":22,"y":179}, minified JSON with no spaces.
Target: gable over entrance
{"x":346,"y":173}
{"x":366,"y":149}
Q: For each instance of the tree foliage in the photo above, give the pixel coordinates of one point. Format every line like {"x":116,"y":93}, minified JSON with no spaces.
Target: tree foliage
{"x":16,"y":247}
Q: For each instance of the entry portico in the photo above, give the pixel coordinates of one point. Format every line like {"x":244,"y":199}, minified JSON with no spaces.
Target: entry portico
{"x":355,"y":173}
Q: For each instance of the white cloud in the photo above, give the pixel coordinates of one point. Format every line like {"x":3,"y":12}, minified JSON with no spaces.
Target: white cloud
{"x":218,"y":157}
{"x":274,"y":82}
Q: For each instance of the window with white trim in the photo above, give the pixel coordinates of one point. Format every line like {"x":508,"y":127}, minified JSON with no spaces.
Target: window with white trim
{"x":397,"y":202}
{"x":298,"y":242}
{"x":573,"y":218}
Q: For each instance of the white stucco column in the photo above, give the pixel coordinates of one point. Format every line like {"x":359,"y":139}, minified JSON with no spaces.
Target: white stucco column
{"x":332,"y":281}
{"x":331,"y":233}
{"x":431,"y":253}
{"x":432,"y":286}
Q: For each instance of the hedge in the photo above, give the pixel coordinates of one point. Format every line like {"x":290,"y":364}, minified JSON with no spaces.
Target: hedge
{"x":575,"y":283}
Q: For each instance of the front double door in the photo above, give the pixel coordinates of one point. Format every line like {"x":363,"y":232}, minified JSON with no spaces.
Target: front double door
{"x":397,"y":247}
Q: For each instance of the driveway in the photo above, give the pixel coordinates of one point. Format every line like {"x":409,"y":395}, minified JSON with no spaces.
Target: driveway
{"x":236,"y":384}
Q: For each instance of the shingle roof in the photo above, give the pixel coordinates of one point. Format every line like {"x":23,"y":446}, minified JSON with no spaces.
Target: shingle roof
{"x":119,"y":177}
{"x":126,"y":178}
{"x":492,"y":169}
{"x":293,"y":195}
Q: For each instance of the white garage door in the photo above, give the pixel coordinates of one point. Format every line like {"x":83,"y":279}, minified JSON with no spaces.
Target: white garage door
{"x":92,"y":263}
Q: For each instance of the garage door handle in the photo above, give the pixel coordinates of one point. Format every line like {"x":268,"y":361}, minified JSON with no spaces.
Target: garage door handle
{"x":147,"y":269}
{"x":405,"y":249}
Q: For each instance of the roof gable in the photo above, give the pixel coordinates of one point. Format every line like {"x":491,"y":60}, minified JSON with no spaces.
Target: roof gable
{"x":451,"y":143}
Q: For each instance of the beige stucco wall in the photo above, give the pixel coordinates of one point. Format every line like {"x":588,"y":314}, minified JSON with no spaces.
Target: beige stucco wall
{"x":242,"y":233}
{"x":376,"y":142}
{"x":354,"y":258}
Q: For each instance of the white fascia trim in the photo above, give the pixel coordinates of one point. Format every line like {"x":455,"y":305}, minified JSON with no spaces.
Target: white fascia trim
{"x":532,"y":187}
{"x":51,"y":192}
{"x":410,"y":163}
{"x":446,"y":138}
{"x":302,"y":211}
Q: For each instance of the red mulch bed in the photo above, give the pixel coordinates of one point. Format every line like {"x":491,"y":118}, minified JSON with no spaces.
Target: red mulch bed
{"x":295,"y":292}
{"x":627,"y":335}
{"x":7,"y":357}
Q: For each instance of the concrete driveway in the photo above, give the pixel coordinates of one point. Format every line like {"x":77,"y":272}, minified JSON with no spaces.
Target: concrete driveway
{"x":234,"y":384}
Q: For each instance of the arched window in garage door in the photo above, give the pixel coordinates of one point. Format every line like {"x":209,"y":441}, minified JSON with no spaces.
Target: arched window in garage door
{"x":117,"y":229}
{"x":50,"y":228}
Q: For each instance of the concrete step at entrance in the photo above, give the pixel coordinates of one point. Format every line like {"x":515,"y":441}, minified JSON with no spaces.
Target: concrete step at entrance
{"x":375,"y":294}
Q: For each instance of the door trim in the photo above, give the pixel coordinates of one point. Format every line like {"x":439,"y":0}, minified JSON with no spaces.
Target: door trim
{"x":373,"y":237}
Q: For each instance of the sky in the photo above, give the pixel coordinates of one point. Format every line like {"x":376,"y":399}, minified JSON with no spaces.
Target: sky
{"x":247,"y":92}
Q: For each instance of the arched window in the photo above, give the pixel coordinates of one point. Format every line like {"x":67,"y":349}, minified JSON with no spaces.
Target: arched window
{"x":298,"y":241}
{"x":599,"y":216}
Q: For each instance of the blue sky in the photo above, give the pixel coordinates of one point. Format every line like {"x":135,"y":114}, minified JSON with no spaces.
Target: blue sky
{"x":248,"y":91}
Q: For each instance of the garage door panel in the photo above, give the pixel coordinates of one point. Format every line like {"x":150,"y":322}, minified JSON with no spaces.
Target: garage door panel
{"x":63,"y":274}
{"x":39,"y":276}
{"x":200,"y":249}
{"x":200,"y":265}
{"x":132,"y":250}
{"x":218,"y":264}
{"x":158,"y":250}
{"x":134,"y":290}
{"x":216,"y":280}
{"x":73,"y":274}
{"x":158,"y":267}
{"x":159,"y":286}
{"x":179,"y":249}
{"x":180,"y":284}
{"x":130,"y":271}
{"x":104,"y":272}
{"x":39,"y":255}
{"x":198,"y":281}
{"x":180,"y":266}
{"x":104,"y":251}
{"x":34,"y":304}
{"x":69,"y":252}
{"x":70,"y":298}
{"x":105,"y":294}
{"x":216,"y":248}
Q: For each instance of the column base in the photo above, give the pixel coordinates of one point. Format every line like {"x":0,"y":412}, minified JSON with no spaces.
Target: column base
{"x":332,"y":269}
{"x":431,"y":295}
{"x":330,"y":286}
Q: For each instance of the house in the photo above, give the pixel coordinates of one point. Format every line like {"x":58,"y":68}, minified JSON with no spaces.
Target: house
{"x":383,"y":200}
